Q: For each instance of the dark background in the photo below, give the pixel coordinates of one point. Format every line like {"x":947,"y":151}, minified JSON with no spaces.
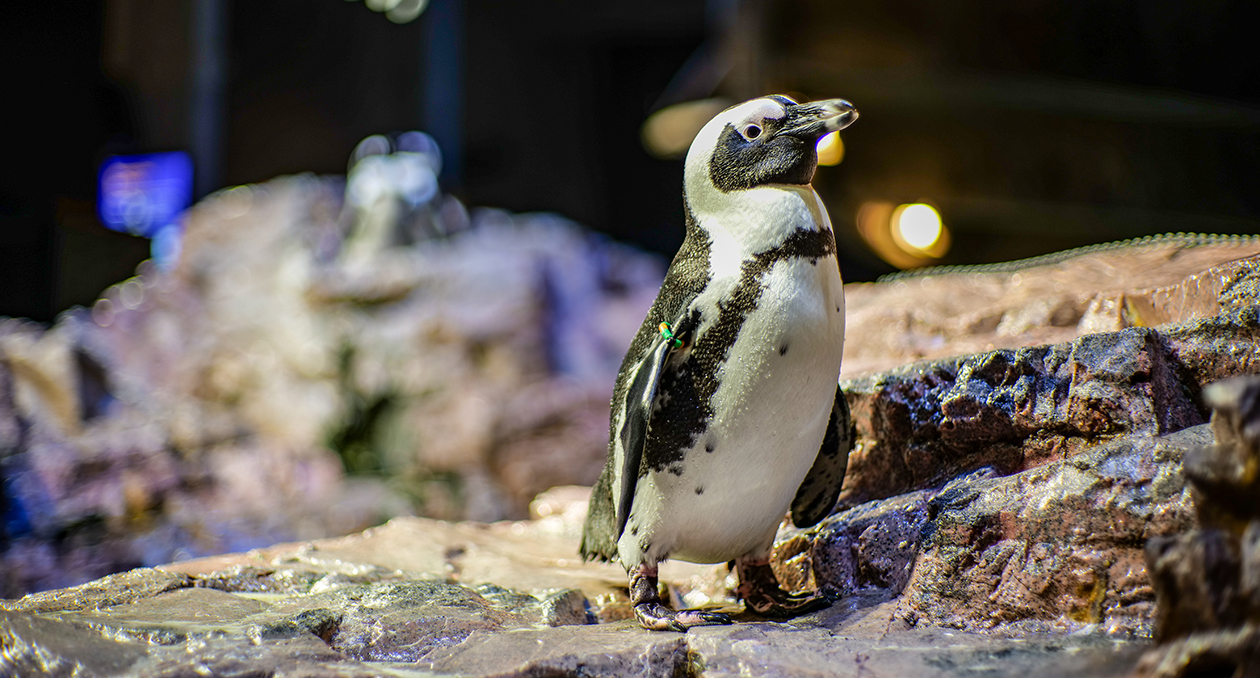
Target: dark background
{"x":1033,"y":126}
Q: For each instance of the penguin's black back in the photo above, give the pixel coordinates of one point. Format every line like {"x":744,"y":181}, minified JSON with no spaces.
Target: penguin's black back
{"x":688,"y":275}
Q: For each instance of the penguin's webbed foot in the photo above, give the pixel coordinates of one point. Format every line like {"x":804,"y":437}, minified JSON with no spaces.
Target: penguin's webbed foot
{"x":762,"y":594}
{"x":655,"y":615}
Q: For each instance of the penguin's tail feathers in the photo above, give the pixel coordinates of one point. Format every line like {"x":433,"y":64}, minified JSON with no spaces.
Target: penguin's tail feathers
{"x":598,"y":542}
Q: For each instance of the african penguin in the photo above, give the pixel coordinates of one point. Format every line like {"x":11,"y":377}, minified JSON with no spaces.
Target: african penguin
{"x":726,"y":410}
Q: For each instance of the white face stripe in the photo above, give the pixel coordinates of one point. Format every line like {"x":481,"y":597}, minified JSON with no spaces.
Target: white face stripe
{"x":754,"y":111}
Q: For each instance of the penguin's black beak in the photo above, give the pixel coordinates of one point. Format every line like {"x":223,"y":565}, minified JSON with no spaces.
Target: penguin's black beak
{"x":812,"y":120}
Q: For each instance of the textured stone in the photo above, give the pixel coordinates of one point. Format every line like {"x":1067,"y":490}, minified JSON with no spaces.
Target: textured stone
{"x":1000,"y":550}
{"x":405,"y":621}
{"x":116,"y":589}
{"x":1195,"y":576}
{"x":428,"y":628}
{"x":1208,"y":580}
{"x":920,"y":425}
{"x":32,"y":645}
{"x":872,"y":546}
{"x":828,"y":647}
{"x":1053,"y":548}
{"x":539,"y":557}
{"x":1231,"y":652}
{"x":609,"y":650}
{"x":945,"y":314}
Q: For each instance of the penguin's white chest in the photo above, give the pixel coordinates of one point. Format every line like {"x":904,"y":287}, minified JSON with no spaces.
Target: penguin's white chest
{"x":770,"y":413}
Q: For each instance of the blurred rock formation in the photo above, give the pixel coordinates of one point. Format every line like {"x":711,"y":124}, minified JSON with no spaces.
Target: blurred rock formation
{"x":311,"y":368}
{"x":1208,"y":580}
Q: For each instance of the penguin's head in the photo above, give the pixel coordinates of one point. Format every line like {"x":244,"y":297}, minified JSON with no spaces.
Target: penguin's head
{"x":771,"y":140}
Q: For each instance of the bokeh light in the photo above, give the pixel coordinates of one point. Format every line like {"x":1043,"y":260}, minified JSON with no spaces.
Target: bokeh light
{"x":830,"y":149}
{"x":406,"y":11}
{"x":668,"y":132}
{"x":906,"y":236}
{"x":397,"y":11}
{"x":919,"y":226}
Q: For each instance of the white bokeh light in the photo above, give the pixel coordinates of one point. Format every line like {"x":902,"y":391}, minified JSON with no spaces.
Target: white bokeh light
{"x":919,"y":225}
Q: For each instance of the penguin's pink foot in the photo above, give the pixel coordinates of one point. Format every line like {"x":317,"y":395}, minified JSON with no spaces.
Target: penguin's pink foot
{"x":762,"y":594}
{"x":655,"y":615}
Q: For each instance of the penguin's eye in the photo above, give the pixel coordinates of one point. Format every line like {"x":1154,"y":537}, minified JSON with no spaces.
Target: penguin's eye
{"x":752,"y":132}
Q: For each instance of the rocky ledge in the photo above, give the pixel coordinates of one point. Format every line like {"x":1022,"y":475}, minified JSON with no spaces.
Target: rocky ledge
{"x":418,"y":597}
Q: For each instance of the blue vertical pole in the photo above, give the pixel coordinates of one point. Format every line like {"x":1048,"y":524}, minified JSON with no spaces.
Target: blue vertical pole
{"x":207,"y":93}
{"x":442,"y":108}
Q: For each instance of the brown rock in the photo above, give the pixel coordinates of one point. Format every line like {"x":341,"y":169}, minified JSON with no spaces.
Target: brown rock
{"x":1230,"y":652}
{"x":1053,"y":299}
{"x":1208,"y":580}
{"x":992,"y":551}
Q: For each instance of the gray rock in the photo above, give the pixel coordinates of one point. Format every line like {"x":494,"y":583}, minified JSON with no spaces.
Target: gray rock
{"x":39,"y":646}
{"x":1216,"y":348}
{"x":1195,"y":576}
{"x":431,"y":628}
{"x":203,"y":410}
{"x":405,"y":622}
{"x":921,"y":425}
{"x":335,"y":628}
{"x":174,"y":617}
{"x":872,"y":546}
{"x":1227,"y":652}
{"x":116,"y":589}
{"x":770,"y":650}
{"x":613,"y":650}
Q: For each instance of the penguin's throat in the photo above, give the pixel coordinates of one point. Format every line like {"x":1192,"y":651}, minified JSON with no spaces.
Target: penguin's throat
{"x":760,"y":219}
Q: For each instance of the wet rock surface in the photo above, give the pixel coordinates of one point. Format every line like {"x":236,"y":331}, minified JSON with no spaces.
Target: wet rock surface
{"x":345,"y":612}
{"x":1012,"y":409}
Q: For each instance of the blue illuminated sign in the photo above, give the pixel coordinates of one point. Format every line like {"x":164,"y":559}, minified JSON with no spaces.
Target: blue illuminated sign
{"x":143,"y":194}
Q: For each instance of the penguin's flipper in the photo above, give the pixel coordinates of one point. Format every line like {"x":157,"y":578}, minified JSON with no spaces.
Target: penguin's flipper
{"x":818,"y":492}
{"x":639,"y":399}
